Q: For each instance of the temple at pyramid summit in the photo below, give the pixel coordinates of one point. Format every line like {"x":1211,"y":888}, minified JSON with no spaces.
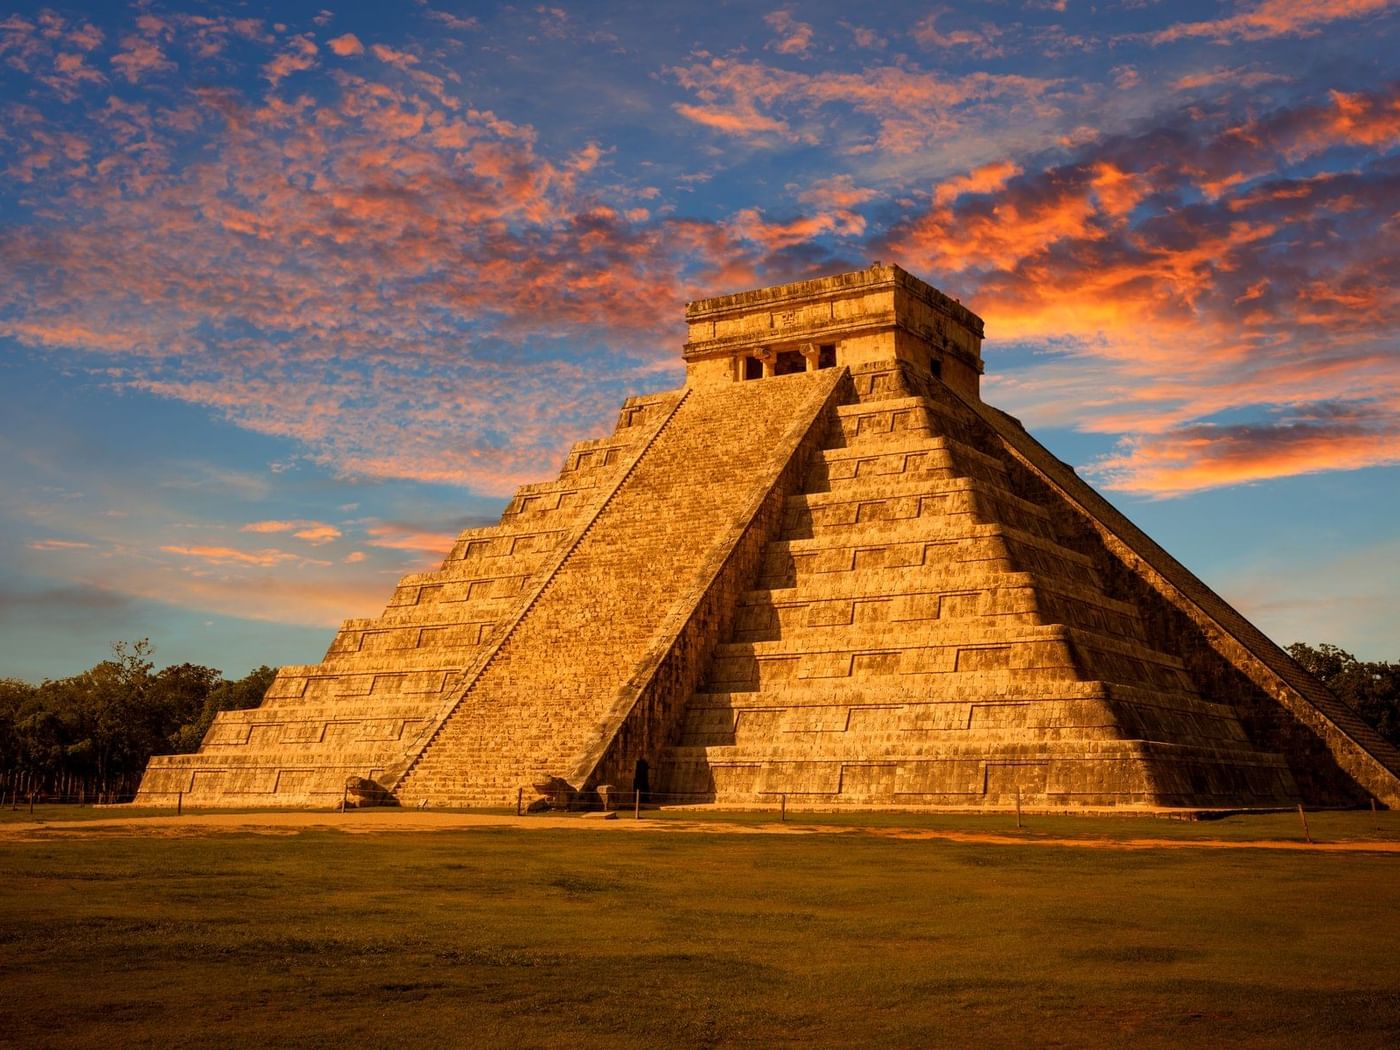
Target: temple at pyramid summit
{"x":823,"y":570}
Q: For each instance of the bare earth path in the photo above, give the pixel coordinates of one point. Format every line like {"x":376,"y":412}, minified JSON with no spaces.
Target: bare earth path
{"x":381,"y":821}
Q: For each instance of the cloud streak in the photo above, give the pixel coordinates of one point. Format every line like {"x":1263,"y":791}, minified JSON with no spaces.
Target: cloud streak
{"x":1189,"y":276}
{"x":385,"y":228}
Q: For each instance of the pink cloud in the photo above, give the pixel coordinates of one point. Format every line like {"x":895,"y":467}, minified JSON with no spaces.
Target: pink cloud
{"x":375,"y":226}
{"x":392,"y":536}
{"x":839,"y":192}
{"x":910,"y":108}
{"x":1241,"y":78}
{"x":269,"y":526}
{"x":453,"y":21}
{"x":979,"y":40}
{"x":299,"y":56}
{"x":794,"y":37}
{"x":219,"y":555}
{"x":315,"y":532}
{"x":141,"y":58}
{"x":863,"y":37}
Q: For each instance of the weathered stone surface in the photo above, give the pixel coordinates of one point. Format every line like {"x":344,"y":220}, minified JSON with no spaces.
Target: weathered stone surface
{"x":361,"y":792}
{"x":826,"y":570}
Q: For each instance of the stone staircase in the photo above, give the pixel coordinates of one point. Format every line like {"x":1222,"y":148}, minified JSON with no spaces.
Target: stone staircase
{"x":919,"y":636}
{"x":559,"y":685}
{"x":383,"y":680}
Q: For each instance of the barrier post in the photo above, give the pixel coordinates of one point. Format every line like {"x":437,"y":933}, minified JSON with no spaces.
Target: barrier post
{"x":1375,"y":819}
{"x":782,"y":807}
{"x":519,"y":801}
{"x":1018,"y":805}
{"x":179,"y":803}
{"x":1304,"y":818}
{"x":636,"y":805}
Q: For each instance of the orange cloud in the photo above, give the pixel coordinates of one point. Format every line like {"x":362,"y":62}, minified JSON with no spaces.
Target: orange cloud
{"x":316,"y":532}
{"x":1272,"y":18}
{"x":749,"y":224}
{"x":1365,"y":119}
{"x":985,"y":179}
{"x":392,"y":536}
{"x":269,"y":526}
{"x":1202,"y":457}
{"x":1168,"y":273}
{"x":345,"y":45}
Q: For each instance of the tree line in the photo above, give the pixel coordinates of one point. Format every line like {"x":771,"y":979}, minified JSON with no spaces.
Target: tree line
{"x":90,"y":736}
{"x":1371,"y":688}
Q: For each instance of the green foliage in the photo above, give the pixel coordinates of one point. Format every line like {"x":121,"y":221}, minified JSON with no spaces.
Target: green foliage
{"x":223,"y":696}
{"x":1371,"y":688}
{"x":97,"y":729}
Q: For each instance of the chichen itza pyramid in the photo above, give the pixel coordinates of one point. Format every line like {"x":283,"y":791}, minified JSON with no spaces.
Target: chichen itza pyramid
{"x":823,"y":569}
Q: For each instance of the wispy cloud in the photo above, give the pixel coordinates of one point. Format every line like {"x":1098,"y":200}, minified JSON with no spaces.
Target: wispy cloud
{"x":316,"y":532}
{"x":908,"y":107}
{"x":402,"y":536}
{"x":794,"y":37}
{"x":1272,"y":18}
{"x":218,"y":555}
{"x":1169,"y":259}
{"x":58,"y":545}
{"x":379,"y":226}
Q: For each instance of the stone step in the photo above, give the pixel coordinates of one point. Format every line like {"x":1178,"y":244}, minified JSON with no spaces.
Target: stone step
{"x":552,"y":679}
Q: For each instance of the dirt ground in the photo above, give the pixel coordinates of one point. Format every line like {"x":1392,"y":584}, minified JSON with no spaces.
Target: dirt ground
{"x":392,"y":820}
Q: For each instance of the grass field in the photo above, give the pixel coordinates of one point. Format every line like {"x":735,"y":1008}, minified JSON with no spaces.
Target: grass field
{"x":587,"y":937}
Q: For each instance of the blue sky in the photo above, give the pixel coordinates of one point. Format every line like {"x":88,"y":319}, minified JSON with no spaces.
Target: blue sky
{"x":289,"y":294}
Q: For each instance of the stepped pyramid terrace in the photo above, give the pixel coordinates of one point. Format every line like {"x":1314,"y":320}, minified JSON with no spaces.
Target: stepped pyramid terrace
{"x":822,"y":569}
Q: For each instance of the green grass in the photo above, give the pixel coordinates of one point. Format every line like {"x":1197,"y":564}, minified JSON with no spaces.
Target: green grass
{"x":591,"y":938}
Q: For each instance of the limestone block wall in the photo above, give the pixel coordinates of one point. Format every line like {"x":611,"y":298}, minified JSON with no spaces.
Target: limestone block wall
{"x":1333,"y":756}
{"x":919,"y":636}
{"x":857,"y":588}
{"x":544,"y":698}
{"x":647,"y":715}
{"x":382,"y":680}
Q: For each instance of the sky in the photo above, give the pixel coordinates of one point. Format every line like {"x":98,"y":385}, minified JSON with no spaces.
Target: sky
{"x":290,"y":294}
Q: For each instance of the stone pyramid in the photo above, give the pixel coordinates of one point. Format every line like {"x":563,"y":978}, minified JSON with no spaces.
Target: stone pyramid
{"x":825,"y":570}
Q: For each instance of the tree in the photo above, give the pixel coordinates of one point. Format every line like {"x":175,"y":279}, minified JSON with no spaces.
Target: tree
{"x":225,"y":696}
{"x":96,"y":731}
{"x":1371,"y":688}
